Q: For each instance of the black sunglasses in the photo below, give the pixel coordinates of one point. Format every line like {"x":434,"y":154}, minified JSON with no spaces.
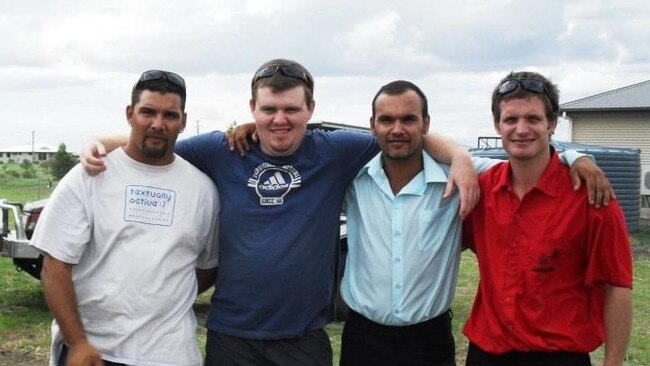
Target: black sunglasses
{"x":510,"y":85}
{"x":287,"y":70}
{"x":163,"y":75}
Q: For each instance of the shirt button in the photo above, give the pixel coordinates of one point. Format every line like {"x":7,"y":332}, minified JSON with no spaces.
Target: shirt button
{"x":398,"y":259}
{"x":396,"y":311}
{"x":398,"y":286}
{"x":508,"y":300}
{"x":517,"y":217}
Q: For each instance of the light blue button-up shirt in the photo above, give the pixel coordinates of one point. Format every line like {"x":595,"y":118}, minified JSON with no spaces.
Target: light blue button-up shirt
{"x":403,"y":256}
{"x":404,"y":249}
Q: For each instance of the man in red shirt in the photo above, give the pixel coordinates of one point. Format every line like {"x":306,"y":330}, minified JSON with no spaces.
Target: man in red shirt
{"x":556,"y":273}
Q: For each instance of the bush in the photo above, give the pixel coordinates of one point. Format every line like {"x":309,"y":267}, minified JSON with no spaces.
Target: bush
{"x":29,"y":173}
{"x":63,"y":161}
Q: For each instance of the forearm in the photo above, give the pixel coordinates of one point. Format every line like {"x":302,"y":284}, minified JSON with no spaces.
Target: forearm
{"x":618,"y":322}
{"x":61,"y":299}
{"x":113,"y":142}
{"x":444,"y":149}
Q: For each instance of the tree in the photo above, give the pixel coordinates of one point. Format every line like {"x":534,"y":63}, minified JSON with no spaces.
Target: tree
{"x":63,"y":161}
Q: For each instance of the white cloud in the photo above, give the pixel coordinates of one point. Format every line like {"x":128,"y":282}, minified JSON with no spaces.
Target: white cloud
{"x":67,"y":66}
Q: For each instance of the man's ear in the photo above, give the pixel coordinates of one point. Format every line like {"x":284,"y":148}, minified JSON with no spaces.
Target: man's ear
{"x":425,"y":128}
{"x":372,"y":125}
{"x":310,"y":108}
{"x":183,"y":122}
{"x":551,"y":126}
{"x":496,"y":128}
{"x":251,"y":104}
{"x":129,"y":113}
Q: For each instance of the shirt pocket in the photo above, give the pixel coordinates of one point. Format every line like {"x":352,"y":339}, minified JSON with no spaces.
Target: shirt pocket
{"x":434,"y":227}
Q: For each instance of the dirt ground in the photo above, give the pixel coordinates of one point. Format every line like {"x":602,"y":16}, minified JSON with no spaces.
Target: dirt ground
{"x":21,"y":358}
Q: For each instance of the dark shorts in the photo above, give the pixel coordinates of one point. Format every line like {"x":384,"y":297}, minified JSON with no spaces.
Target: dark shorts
{"x":430,"y":343}
{"x":311,"y":349}
{"x":477,"y":357}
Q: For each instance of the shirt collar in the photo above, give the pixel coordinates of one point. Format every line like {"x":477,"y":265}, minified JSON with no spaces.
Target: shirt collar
{"x":433,"y":171}
{"x":547,"y":183}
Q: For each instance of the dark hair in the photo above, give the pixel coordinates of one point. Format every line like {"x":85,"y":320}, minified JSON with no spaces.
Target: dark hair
{"x":279,"y":82}
{"x":398,"y":87}
{"x":550,"y":95}
{"x":161,"y":86}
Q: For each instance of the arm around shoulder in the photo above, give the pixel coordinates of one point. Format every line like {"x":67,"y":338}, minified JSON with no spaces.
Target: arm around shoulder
{"x":96,"y":149}
{"x":462,"y":173}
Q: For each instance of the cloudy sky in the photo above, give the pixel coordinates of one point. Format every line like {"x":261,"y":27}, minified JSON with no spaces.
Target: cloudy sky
{"x":67,"y":67}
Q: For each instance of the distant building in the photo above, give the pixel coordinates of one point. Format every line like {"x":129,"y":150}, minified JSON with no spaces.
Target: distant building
{"x":39,"y":154}
{"x":619,"y":118}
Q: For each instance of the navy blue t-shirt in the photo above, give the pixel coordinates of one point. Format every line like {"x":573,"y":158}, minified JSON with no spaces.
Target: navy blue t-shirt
{"x":279,"y":229}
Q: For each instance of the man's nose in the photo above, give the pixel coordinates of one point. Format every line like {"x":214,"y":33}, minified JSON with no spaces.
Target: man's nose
{"x":158,"y":122}
{"x":279,"y":117}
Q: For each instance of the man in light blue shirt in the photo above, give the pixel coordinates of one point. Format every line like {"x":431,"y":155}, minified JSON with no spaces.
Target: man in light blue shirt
{"x":403,"y":242}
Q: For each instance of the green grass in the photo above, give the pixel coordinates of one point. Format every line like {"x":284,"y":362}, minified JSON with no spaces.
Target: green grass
{"x":14,"y":187}
{"x":25,"y":321}
{"x":24,"y":318}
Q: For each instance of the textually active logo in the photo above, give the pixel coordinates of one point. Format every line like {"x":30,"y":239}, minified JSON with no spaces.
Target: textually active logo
{"x":272,"y":183}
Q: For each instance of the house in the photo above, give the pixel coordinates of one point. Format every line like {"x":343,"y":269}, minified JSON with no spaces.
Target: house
{"x":619,"y":117}
{"x":39,"y":153}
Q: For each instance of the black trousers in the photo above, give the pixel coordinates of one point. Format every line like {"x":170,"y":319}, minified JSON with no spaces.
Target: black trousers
{"x":310,"y":349}
{"x":365,"y":342}
{"x":477,"y":357}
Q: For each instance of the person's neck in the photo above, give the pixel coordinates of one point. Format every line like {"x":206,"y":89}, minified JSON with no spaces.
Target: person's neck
{"x":401,"y":172}
{"x":526,"y":173}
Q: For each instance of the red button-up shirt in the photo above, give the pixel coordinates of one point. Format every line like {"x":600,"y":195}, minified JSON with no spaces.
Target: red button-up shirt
{"x":543,"y":261}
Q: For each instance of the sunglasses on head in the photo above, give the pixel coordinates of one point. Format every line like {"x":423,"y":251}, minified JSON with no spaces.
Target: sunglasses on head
{"x":173,"y":78}
{"x":286,"y":70}
{"x":533,"y":85}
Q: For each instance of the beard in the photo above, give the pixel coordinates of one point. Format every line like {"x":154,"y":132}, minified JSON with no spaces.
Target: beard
{"x":154,"y":152}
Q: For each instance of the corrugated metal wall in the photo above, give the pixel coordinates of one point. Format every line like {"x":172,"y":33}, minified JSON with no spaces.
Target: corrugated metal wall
{"x":622,"y":166}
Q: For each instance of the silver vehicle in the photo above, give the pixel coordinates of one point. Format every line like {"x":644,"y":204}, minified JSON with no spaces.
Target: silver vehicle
{"x":17,"y":223}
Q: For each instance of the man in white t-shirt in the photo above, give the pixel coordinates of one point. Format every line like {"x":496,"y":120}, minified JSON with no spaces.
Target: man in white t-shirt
{"x":127,"y":251}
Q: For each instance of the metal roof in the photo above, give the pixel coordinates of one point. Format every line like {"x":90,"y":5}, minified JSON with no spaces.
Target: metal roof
{"x":632,"y":97}
{"x":331,"y":126}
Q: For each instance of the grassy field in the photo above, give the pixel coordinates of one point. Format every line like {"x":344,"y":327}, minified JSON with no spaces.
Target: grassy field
{"x":25,"y":321}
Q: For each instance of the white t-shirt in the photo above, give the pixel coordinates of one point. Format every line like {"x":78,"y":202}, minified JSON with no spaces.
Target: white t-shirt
{"x":135,"y":234}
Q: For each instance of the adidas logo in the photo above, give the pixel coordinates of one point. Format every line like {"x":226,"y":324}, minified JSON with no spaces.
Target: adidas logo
{"x":276,"y":181}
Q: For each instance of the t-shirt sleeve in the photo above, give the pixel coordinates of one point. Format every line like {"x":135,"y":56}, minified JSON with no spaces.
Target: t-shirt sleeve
{"x":352,"y":149}
{"x":610,"y":257}
{"x":203,"y":150}
{"x":64,"y":227}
